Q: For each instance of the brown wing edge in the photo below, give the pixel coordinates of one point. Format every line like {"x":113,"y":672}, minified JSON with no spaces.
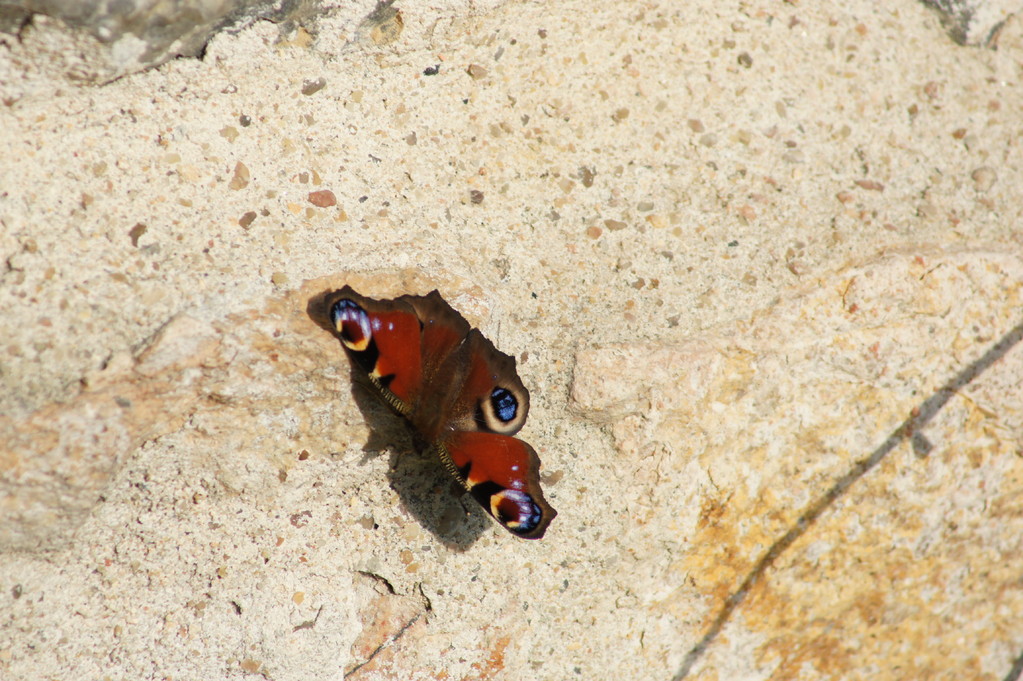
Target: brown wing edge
{"x":536,"y":492}
{"x":433,"y":307}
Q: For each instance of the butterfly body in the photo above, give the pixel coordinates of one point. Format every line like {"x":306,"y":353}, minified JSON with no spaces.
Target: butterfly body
{"x":459,"y":393}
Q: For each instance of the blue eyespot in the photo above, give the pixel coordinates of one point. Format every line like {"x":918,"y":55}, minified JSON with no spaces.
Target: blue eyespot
{"x":504,"y":403}
{"x":516,"y":510}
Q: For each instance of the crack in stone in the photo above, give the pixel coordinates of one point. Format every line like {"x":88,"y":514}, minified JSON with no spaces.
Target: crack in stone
{"x":908,"y":429}
{"x":308,"y":624}
{"x":384,"y":645}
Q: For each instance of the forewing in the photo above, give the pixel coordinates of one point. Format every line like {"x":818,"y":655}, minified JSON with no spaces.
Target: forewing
{"x":383,"y":338}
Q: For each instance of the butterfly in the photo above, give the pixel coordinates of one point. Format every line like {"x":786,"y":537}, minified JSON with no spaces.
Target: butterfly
{"x":461,"y":395}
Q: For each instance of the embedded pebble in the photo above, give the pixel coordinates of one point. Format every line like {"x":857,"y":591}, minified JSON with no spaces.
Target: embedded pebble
{"x":983,"y":178}
{"x":586,"y":176}
{"x":241,"y":177}
{"x":871,"y":185}
{"x":323,"y":198}
{"x":310,"y":87}
{"x":247,"y":219}
{"x":137,"y":231}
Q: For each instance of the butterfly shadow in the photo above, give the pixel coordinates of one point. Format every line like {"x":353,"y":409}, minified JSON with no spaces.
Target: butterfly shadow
{"x":426,"y":490}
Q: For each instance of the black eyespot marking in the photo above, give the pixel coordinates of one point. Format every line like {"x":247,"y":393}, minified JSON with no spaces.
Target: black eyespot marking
{"x":344,"y":310}
{"x":484,"y":490}
{"x":353,"y":327}
{"x":505,"y":405}
{"x":516,"y":510}
{"x":367,"y":359}
{"x":527,"y":516}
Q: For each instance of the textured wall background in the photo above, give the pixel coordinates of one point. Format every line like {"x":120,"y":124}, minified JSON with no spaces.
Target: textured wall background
{"x":100,"y":40}
{"x":760,"y":264}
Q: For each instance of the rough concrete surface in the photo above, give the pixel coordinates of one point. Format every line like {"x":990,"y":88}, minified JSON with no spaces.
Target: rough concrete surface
{"x":760,"y":264}
{"x":96,"y":41}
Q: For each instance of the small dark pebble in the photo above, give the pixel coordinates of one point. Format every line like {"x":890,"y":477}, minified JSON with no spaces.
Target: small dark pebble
{"x":311,"y":87}
{"x":586,"y":175}
{"x":138,"y":230}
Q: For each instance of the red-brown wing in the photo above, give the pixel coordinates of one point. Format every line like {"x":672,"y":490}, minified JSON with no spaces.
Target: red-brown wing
{"x":383,"y":338}
{"x":503,"y":474}
{"x":492,"y":397}
{"x":444,"y":328}
{"x":457,"y":390}
{"x":444,"y":353}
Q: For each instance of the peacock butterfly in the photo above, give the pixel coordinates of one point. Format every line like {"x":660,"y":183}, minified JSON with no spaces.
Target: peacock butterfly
{"x":460,"y":394}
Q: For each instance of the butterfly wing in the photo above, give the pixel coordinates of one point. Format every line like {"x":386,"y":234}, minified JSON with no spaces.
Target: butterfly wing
{"x":491,"y":397}
{"x":457,"y":390}
{"x":503,"y":474}
{"x":444,"y":353}
{"x":384,"y":339}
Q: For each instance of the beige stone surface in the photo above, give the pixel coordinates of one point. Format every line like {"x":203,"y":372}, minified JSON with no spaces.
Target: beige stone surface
{"x":760,"y":264}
